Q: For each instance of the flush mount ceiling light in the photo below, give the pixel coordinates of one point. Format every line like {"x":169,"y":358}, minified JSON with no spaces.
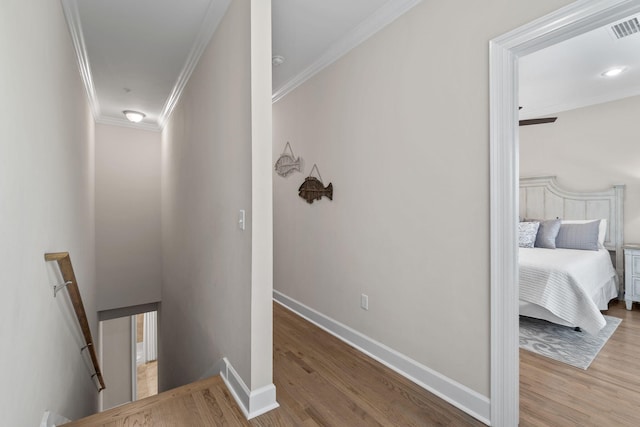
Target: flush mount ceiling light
{"x":277,"y":60}
{"x":613,"y":72}
{"x":134,"y":116}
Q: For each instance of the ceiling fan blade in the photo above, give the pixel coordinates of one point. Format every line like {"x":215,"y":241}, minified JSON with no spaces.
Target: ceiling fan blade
{"x":538,"y":121}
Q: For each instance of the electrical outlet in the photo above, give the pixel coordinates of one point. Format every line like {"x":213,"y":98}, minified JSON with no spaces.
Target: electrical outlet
{"x":364,"y":302}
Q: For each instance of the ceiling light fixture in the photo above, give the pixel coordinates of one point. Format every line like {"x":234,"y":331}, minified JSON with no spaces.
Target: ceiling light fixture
{"x":134,"y":116}
{"x":277,"y":60}
{"x":613,"y":72}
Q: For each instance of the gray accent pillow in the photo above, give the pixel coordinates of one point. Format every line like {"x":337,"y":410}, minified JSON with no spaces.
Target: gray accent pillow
{"x":527,"y":232}
{"x":547,"y":233}
{"x":579,"y":236}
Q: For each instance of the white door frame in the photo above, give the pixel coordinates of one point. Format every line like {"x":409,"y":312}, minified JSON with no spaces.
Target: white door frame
{"x":570,"y":21}
{"x":134,"y":359}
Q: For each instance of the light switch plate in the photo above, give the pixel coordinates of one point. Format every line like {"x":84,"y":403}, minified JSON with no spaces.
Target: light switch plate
{"x":241,"y":219}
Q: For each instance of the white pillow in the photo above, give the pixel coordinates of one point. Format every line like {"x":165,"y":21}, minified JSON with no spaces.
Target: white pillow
{"x":602,"y":230}
{"x":527,"y":232}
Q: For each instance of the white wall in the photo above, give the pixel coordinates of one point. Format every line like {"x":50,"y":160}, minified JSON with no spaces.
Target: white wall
{"x":400,"y":126}
{"x":46,"y":205}
{"x":590,"y":149}
{"x":212,"y":305}
{"x":116,"y":361}
{"x":128,"y":254}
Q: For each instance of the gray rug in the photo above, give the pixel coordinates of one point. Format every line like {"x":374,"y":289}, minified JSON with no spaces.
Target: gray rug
{"x":563,"y":343}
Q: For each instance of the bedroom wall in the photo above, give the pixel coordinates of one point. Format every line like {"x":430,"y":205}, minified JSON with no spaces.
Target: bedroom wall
{"x":216,"y":160}
{"x":128,"y":254}
{"x":46,"y":205}
{"x":400,"y":126}
{"x":589,"y":149}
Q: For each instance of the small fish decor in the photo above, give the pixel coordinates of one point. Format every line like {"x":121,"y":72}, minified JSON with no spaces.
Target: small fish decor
{"x":288,"y":163}
{"x":313,"y":189}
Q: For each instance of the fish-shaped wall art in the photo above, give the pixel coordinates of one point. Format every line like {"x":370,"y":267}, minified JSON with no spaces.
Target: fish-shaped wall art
{"x":313,"y":189}
{"x":288,"y":163}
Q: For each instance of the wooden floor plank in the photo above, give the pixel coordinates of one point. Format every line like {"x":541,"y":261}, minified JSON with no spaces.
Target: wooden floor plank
{"x":607,"y":394}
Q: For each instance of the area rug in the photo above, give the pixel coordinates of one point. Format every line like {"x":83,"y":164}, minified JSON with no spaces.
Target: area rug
{"x":562,"y":343}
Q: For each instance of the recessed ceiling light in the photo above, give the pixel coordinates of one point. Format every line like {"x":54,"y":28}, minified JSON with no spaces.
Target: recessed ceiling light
{"x":134,"y":116}
{"x":277,"y":60}
{"x":612,"y":72}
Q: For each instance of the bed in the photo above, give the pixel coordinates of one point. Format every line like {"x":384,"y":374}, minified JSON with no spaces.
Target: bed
{"x":570,"y":286}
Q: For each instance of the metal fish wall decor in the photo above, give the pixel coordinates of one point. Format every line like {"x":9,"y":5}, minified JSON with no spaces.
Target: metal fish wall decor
{"x":313,"y":189}
{"x":288,"y":163}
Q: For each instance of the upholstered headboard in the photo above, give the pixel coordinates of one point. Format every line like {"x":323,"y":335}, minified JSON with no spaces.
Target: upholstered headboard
{"x":542,"y":198}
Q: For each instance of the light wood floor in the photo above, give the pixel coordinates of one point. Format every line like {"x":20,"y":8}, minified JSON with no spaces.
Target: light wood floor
{"x":147,"y":379}
{"x":606,"y":394}
{"x":321,"y":381}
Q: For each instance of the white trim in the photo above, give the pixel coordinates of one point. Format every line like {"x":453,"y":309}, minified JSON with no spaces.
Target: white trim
{"x":134,"y":358}
{"x":381,"y":18}
{"x":72,"y":15}
{"x":216,"y":11}
{"x":460,"y":396}
{"x":210,"y":21}
{"x":252,"y":403}
{"x":572,"y":20}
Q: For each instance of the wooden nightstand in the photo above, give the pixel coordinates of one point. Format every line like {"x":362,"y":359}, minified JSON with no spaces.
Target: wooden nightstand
{"x":631,"y":274}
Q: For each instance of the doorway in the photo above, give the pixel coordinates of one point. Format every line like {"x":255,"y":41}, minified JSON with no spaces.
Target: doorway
{"x":145,"y":337}
{"x":128,"y":356}
{"x":568,"y":22}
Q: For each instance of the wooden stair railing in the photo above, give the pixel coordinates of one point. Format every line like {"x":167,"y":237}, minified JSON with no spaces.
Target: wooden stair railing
{"x":64,"y":262}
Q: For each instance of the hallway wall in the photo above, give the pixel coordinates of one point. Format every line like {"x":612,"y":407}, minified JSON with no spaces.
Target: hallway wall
{"x":46,"y":205}
{"x":216,"y":161}
{"x":400,"y":126}
{"x":128,"y":253}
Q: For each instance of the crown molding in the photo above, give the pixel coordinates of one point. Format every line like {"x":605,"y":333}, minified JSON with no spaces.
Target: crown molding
{"x":210,"y":22}
{"x":72,"y":16}
{"x":114,"y":121}
{"x":380,"y":19}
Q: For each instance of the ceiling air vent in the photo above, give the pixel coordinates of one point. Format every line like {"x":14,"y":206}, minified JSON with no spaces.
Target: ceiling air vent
{"x":625,"y":28}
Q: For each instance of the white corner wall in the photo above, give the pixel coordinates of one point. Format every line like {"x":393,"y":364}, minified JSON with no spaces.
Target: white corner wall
{"x":400,"y":126}
{"x":128,"y":253}
{"x":589,"y":149}
{"x":216,"y":153}
{"x":46,"y":205}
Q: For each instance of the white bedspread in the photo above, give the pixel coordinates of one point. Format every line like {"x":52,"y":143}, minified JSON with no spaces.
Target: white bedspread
{"x":574,"y":285}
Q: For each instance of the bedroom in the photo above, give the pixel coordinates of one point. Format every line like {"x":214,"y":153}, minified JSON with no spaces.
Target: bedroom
{"x":590,"y":147}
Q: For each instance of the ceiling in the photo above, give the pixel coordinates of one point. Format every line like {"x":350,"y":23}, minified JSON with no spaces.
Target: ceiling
{"x":568,"y":75}
{"x":138,"y":55}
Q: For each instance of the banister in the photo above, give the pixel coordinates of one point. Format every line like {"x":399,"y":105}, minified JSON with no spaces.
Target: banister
{"x":64,"y":263}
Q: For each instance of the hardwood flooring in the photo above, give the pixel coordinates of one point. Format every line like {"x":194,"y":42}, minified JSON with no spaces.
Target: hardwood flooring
{"x":606,"y":394}
{"x":147,"y":379}
{"x":321,"y":381}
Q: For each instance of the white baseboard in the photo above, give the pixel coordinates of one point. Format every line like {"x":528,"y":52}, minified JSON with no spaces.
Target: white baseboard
{"x":460,"y":396}
{"x":252,"y":403}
